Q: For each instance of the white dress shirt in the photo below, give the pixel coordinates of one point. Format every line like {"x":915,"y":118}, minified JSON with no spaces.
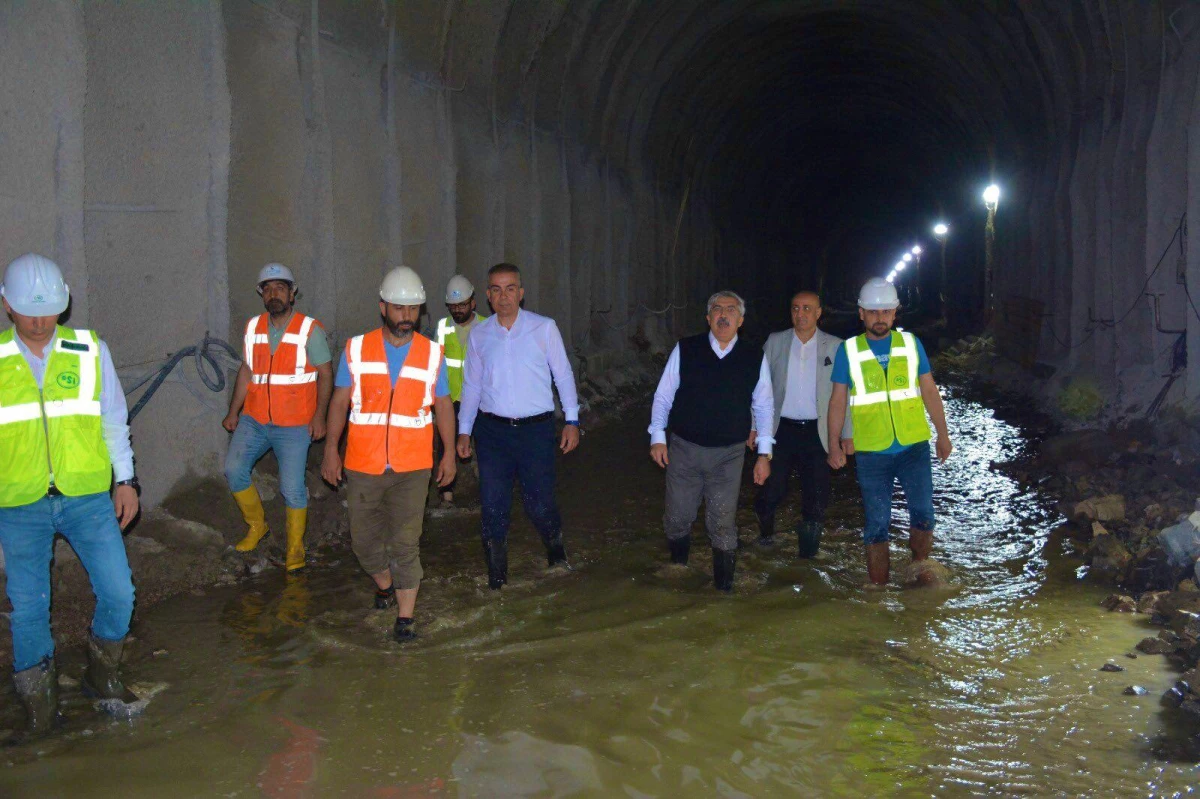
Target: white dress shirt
{"x":508,"y":372}
{"x":800,"y":393}
{"x":114,"y":413}
{"x":762,"y":403}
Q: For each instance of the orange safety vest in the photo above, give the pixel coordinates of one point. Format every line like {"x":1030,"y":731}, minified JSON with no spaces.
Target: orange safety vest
{"x":391,"y":425}
{"x":283,"y":386}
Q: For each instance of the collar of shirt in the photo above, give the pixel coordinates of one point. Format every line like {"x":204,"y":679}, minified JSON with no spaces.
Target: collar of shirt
{"x":271,"y":322}
{"x":716,"y":345}
{"x":28,"y":353}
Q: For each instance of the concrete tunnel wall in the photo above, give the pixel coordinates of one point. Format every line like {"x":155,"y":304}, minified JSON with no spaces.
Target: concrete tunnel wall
{"x":624,"y":154}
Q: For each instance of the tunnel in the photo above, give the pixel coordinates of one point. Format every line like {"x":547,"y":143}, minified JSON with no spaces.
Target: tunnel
{"x":632,"y":157}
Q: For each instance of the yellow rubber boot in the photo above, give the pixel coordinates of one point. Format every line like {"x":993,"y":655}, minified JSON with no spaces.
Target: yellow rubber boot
{"x":255,"y":516}
{"x":297,"y":518}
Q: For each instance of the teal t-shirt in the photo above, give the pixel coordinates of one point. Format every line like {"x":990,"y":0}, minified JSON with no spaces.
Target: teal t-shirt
{"x":318,"y":346}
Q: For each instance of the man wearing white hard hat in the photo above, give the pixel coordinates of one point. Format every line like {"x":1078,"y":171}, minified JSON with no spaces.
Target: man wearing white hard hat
{"x":392,"y":383}
{"x":453,"y":333}
{"x":884,"y":374}
{"x":279,"y":403}
{"x":64,"y":438}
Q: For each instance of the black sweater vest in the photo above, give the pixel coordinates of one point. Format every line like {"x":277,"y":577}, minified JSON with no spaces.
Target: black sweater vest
{"x":712,"y":403}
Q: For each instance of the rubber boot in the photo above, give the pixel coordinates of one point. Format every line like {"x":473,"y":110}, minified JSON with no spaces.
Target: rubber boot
{"x":252,"y":511}
{"x":495,"y":554}
{"x":385,"y":598}
{"x":766,"y":530}
{"x":679,"y":549}
{"x":297,"y":518}
{"x":555,"y":554}
{"x":37,"y":688}
{"x":879,"y":562}
{"x":808,"y":536}
{"x":102,"y":678}
{"x":724,"y":564}
{"x":920,"y":542}
{"x":403,"y":631}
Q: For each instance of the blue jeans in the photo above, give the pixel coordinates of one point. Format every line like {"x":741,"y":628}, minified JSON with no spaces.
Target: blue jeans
{"x":89,"y":523}
{"x":878,"y":474}
{"x":251,"y":441}
{"x":525,"y":452}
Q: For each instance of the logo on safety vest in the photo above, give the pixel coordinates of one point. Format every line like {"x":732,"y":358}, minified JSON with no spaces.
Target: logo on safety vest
{"x":68,"y":380}
{"x":899,"y":380}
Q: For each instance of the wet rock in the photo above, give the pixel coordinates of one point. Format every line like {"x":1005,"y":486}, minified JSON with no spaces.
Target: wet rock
{"x":926,"y":572}
{"x":1135,"y":690}
{"x":1112,"y":667}
{"x":1119,"y":603}
{"x":1107,"y":554}
{"x":1151,"y":572}
{"x":267,"y":485}
{"x":1174,"y":696}
{"x":1154,"y":646}
{"x":1098,"y":529}
{"x":1108,"y":508}
{"x":317,"y":487}
{"x":1149,"y":601}
{"x":1191,"y":707}
{"x":1153,"y":512}
{"x":1186,"y":623}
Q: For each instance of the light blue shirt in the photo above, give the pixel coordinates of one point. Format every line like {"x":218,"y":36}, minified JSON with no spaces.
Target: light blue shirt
{"x":395,"y":358}
{"x":114,"y":413}
{"x":509,"y":372}
{"x":762,"y":403}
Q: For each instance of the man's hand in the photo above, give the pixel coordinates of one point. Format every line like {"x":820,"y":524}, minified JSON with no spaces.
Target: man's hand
{"x":762,"y":470}
{"x":847,"y":446}
{"x":316,"y":428}
{"x":570,"y":438}
{"x":463,"y":447}
{"x":446,"y":470}
{"x":229,"y":422}
{"x":752,"y":440}
{"x":658,"y":454}
{"x":837,"y":458}
{"x":125,"y":500}
{"x":944,"y":447}
{"x":331,"y":466}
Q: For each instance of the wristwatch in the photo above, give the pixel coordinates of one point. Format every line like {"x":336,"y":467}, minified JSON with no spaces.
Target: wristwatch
{"x":766,"y":455}
{"x":132,"y":481}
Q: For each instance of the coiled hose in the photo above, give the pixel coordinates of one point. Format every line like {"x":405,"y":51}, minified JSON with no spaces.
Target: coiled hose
{"x":201,"y":352}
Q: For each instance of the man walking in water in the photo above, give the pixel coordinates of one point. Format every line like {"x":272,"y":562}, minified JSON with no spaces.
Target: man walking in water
{"x":885,"y":373}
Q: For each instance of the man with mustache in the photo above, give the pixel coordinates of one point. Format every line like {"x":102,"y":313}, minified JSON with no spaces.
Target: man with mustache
{"x":453,"y":333}
{"x":710,"y":386}
{"x":508,"y":403}
{"x":392,"y":383}
{"x":885,"y":375}
{"x":279,"y":403}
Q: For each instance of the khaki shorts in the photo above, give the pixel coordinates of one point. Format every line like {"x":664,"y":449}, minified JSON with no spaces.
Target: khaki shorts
{"x":387,"y":513}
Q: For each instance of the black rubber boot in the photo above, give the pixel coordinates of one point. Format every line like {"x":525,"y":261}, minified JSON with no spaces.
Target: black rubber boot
{"x":37,"y":688}
{"x":808,"y":535}
{"x":495,"y":554}
{"x":679,"y":549}
{"x":555,"y":554}
{"x":723,"y":568}
{"x":385,"y":597}
{"x":403,"y":631}
{"x":766,"y":530}
{"x":102,"y":679}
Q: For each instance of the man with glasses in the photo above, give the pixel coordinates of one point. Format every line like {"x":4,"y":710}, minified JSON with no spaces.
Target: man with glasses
{"x":508,"y":404}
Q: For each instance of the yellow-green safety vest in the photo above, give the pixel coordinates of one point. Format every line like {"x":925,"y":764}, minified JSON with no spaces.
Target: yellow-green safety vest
{"x":886,"y":407}
{"x":56,"y":429}
{"x":455,"y":354}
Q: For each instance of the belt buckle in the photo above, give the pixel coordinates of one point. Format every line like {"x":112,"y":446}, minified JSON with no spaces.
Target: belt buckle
{"x":513,"y":422}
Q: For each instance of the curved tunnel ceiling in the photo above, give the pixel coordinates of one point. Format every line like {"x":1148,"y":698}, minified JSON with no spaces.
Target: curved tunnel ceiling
{"x":823,"y":136}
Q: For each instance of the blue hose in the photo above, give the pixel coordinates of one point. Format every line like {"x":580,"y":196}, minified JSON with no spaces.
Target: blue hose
{"x":201,"y":353}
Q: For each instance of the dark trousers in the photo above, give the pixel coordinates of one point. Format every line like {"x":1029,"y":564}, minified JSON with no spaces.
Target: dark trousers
{"x":437,"y":443}
{"x":797,"y":448}
{"x":525,"y":452}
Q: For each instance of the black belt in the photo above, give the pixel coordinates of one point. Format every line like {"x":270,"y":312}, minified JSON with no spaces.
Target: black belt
{"x":541,"y":417}
{"x":797,"y":422}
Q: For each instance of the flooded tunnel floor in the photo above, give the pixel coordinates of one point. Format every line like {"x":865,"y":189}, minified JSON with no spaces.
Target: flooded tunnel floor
{"x":630,"y":677}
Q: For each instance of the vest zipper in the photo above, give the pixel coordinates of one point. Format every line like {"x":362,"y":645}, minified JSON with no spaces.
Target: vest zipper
{"x":46,"y":426}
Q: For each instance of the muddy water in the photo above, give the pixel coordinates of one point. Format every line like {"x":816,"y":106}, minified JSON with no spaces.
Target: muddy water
{"x":630,"y":678}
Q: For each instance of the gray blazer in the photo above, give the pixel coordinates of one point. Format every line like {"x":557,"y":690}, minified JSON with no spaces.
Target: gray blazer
{"x":778,"y":350}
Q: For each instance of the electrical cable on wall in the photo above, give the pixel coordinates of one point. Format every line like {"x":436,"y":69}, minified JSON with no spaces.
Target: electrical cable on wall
{"x":203,"y":355}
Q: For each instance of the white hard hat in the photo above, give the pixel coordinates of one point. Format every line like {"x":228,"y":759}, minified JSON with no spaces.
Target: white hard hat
{"x":33,"y":286}
{"x":401,"y":286}
{"x":459,"y":289}
{"x":274,"y":272}
{"x":878,"y":295}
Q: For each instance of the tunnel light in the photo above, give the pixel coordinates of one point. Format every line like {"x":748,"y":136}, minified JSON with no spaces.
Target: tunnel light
{"x":900,"y":266}
{"x":916,"y":250}
{"x":940,"y":230}
{"x":891,"y":278}
{"x":991,"y":197}
{"x":907,"y":257}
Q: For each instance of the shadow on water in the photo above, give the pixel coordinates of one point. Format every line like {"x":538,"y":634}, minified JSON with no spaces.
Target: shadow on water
{"x":630,"y":677}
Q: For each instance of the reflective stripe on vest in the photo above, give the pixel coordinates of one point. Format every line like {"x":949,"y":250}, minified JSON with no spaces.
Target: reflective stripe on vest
{"x":283,"y":384}
{"x":390,"y":424}
{"x":55,"y":429}
{"x":446,"y":332}
{"x":885,"y":407}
